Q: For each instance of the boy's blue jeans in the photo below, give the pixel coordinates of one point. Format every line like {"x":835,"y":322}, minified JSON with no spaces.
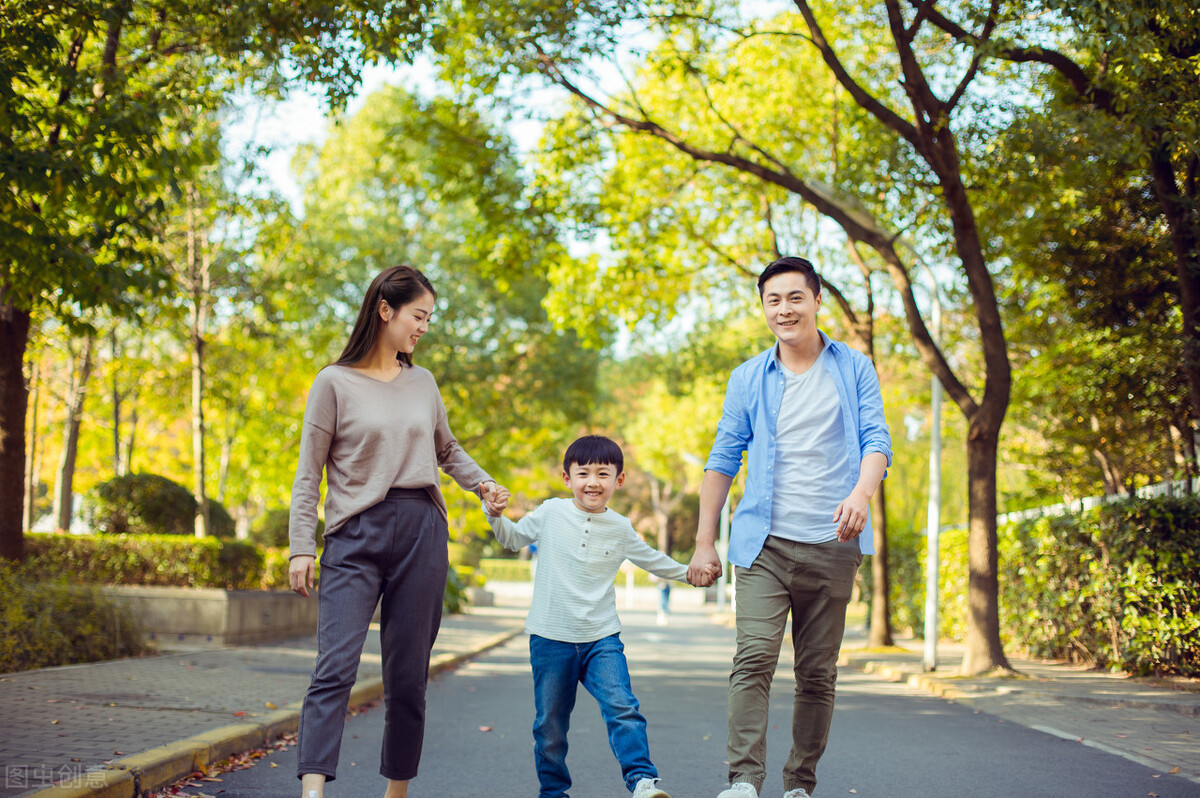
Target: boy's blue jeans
{"x":558,"y":669}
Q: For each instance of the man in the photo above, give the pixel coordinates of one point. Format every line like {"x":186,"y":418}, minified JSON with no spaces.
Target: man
{"x":809,"y":413}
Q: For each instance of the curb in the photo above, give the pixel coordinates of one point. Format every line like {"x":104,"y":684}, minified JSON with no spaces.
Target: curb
{"x":944,"y":689}
{"x":138,"y":774}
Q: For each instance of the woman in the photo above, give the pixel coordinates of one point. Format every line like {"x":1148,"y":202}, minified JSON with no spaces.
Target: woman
{"x":376,"y":425}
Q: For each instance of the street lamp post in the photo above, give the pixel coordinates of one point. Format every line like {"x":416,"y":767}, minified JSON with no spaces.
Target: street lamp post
{"x":934,"y":513}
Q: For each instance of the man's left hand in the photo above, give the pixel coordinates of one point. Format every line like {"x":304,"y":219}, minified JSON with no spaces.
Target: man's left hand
{"x":851,"y":516}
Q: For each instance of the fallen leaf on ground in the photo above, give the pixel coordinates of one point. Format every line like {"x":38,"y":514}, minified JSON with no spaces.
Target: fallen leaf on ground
{"x":485,"y":728}
{"x":270,"y":705}
{"x":1173,"y":770}
{"x":240,"y":713}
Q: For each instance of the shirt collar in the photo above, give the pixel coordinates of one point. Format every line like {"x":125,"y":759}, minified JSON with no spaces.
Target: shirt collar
{"x":772,"y":354}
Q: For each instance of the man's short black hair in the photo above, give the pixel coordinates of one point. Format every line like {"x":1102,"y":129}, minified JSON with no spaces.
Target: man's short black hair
{"x":791,"y":264}
{"x":593,"y":449}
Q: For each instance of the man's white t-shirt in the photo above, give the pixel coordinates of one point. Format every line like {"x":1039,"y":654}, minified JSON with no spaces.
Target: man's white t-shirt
{"x":810,"y":449}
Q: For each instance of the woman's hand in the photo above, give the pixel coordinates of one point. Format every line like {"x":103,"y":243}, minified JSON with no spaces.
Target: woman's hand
{"x":302,"y":573}
{"x":495,"y":497}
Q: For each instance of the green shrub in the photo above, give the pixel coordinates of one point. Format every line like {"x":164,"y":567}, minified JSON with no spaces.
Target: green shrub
{"x":57,"y":622}
{"x":1115,"y":586}
{"x":148,"y":504}
{"x":220,"y":522}
{"x":454,"y":599}
{"x":173,"y":560}
{"x":504,"y":570}
{"x":271,"y":529}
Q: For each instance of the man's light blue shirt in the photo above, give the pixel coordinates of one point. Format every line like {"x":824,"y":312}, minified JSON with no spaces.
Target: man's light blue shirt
{"x":752,"y":401}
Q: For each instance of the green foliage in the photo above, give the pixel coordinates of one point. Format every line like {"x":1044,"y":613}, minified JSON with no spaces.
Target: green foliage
{"x":1116,"y":586}
{"x":141,"y":504}
{"x":454,"y":598}
{"x":48,"y":622}
{"x":271,"y":529}
{"x":148,"y":504}
{"x":172,"y":560}
{"x":505,"y":570}
{"x":906,"y":575}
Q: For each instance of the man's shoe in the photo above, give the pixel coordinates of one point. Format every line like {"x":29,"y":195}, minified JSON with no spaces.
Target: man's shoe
{"x":799,"y":792}
{"x":648,"y":788}
{"x":739,"y":789}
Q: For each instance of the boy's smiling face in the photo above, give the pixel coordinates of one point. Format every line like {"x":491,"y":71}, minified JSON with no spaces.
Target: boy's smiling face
{"x":593,"y":484}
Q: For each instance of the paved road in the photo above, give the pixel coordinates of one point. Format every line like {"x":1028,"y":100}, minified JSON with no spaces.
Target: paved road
{"x":888,"y":739}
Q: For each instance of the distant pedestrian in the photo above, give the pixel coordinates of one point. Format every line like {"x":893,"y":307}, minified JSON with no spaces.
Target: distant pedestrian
{"x":809,"y":415}
{"x":574,"y":630}
{"x":374,"y":423}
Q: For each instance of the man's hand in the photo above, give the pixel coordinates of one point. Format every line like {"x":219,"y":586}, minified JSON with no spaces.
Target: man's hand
{"x":495,"y":497}
{"x":851,"y":515}
{"x":708,"y":574}
{"x":302,"y":574}
{"x":705,"y":565}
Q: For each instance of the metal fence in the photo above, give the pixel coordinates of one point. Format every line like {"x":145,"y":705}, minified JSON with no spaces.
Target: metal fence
{"x":1176,"y":488}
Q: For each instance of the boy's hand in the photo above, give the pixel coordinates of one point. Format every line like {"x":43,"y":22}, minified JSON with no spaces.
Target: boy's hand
{"x":705,"y":564}
{"x":704,"y":576}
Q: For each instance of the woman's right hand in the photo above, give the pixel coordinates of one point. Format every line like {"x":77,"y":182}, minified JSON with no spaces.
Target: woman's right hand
{"x":302,"y":573}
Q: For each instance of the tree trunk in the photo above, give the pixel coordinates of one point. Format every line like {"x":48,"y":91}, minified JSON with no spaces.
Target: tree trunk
{"x":198,"y":272}
{"x":14,"y":396}
{"x":881,"y":616}
{"x":32,"y":461}
{"x":984,"y":651}
{"x":662,"y":502}
{"x":116,"y":402}
{"x":64,"y":497}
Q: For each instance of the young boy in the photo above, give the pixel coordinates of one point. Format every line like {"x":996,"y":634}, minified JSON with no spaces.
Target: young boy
{"x":574,"y":631}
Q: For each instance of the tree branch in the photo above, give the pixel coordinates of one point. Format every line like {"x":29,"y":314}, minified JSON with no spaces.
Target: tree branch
{"x":858,"y":225}
{"x":861,"y":96}
{"x":1061,"y":63}
{"x":64,"y":94}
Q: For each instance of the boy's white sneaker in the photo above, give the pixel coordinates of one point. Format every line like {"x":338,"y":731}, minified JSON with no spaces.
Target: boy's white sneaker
{"x":739,"y":789}
{"x":799,"y":792}
{"x":648,"y":788}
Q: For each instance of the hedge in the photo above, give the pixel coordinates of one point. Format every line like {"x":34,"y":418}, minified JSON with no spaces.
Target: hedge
{"x":1117,"y":586}
{"x":184,"y":561}
{"x":172,"y":560}
{"x":44,"y":623}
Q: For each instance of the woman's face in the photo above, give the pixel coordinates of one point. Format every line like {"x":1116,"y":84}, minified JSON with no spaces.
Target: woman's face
{"x":403,"y":326}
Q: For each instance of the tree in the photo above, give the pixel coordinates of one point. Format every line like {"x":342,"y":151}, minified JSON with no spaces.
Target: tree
{"x":743,"y":135}
{"x":1091,"y":291}
{"x":89,"y":92}
{"x":1136,"y":62}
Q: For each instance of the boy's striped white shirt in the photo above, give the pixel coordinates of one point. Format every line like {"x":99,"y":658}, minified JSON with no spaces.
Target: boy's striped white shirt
{"x":578,"y":557}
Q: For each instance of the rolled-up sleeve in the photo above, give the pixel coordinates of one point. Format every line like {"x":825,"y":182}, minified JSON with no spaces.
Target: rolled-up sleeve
{"x":733,"y":430}
{"x":873,"y":434}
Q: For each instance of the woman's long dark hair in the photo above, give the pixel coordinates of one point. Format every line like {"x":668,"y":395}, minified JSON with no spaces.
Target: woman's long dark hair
{"x":396,"y":285}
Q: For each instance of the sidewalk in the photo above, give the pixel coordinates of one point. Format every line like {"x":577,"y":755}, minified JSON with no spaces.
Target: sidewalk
{"x":123,"y":728}
{"x":1155,"y":725}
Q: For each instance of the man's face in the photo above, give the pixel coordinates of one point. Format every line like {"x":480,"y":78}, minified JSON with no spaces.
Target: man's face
{"x":790,"y":307}
{"x":593,"y":484}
